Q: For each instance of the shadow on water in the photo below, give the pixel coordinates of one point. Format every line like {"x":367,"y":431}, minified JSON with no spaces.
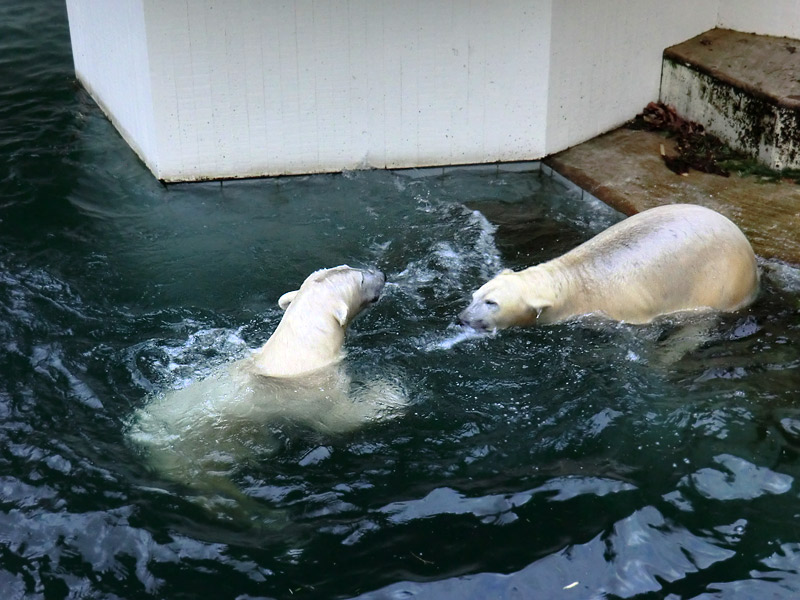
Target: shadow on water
{"x":567,"y":461}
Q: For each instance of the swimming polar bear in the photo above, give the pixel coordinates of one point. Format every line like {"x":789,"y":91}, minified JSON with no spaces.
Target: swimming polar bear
{"x":199,"y":434}
{"x":672,"y":258}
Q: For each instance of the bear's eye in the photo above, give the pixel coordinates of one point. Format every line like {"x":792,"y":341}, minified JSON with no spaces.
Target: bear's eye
{"x":491,"y":303}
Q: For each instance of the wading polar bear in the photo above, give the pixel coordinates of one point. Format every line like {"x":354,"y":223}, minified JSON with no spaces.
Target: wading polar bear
{"x":673,"y":258}
{"x":199,"y":434}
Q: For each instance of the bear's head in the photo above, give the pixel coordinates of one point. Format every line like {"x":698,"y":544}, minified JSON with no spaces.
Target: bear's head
{"x":312,"y":330}
{"x":342,"y":291}
{"x":502,"y":302}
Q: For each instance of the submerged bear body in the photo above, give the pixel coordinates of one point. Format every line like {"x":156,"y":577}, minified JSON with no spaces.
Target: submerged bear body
{"x":200,"y":434}
{"x":668,"y":259}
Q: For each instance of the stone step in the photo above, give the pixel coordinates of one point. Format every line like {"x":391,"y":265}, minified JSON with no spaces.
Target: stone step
{"x":743,"y":88}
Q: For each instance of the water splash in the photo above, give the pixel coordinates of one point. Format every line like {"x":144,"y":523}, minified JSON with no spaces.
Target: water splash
{"x":453,"y":336}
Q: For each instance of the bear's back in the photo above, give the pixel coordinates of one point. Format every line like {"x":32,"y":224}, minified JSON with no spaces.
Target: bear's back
{"x":667,"y":259}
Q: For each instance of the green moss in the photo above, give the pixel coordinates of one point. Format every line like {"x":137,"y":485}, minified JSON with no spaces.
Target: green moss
{"x":748,"y":167}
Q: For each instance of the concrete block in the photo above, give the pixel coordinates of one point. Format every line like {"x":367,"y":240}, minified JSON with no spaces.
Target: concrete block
{"x":743,"y":88}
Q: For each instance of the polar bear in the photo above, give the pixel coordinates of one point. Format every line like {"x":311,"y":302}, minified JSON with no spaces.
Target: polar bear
{"x":673,"y":258}
{"x":199,"y":434}
{"x":311,"y":332}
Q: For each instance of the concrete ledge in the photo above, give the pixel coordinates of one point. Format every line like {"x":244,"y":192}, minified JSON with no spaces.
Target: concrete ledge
{"x":624,"y":169}
{"x":742,"y":87}
{"x":490,"y":168}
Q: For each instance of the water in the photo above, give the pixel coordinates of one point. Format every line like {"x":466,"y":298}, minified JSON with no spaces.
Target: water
{"x":571,"y":461}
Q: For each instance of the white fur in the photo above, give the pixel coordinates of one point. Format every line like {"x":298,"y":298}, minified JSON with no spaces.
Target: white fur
{"x":311,"y":333}
{"x":668,"y":259}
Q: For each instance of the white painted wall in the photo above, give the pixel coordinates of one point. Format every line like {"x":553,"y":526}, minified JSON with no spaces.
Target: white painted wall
{"x":773,"y":17}
{"x":237,"y":88}
{"x":266,"y":87}
{"x":109,"y":48}
{"x":605,"y":60}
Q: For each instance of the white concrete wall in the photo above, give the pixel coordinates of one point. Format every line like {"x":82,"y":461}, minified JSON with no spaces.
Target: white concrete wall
{"x":605,"y":60}
{"x":267,"y":87}
{"x":237,"y":88}
{"x":773,"y":17}
{"x":109,"y":48}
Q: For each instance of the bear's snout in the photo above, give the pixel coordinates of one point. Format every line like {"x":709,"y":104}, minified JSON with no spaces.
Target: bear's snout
{"x":464,"y":319}
{"x":374,"y":281}
{"x":469,"y":318}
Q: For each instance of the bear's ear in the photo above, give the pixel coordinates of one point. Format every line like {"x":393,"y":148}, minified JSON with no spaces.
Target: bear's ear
{"x":285,"y":300}
{"x":538,"y":305}
{"x":340,"y":313}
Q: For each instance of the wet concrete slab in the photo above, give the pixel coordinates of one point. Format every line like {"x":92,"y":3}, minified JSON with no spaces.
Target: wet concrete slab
{"x":624,"y":169}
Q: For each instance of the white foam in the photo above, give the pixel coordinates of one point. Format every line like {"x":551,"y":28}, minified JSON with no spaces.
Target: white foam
{"x":461,"y":253}
{"x":462,"y":334}
{"x":785,"y":276}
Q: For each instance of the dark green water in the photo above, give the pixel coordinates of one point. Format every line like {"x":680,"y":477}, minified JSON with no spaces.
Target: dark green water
{"x":525,"y":463}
